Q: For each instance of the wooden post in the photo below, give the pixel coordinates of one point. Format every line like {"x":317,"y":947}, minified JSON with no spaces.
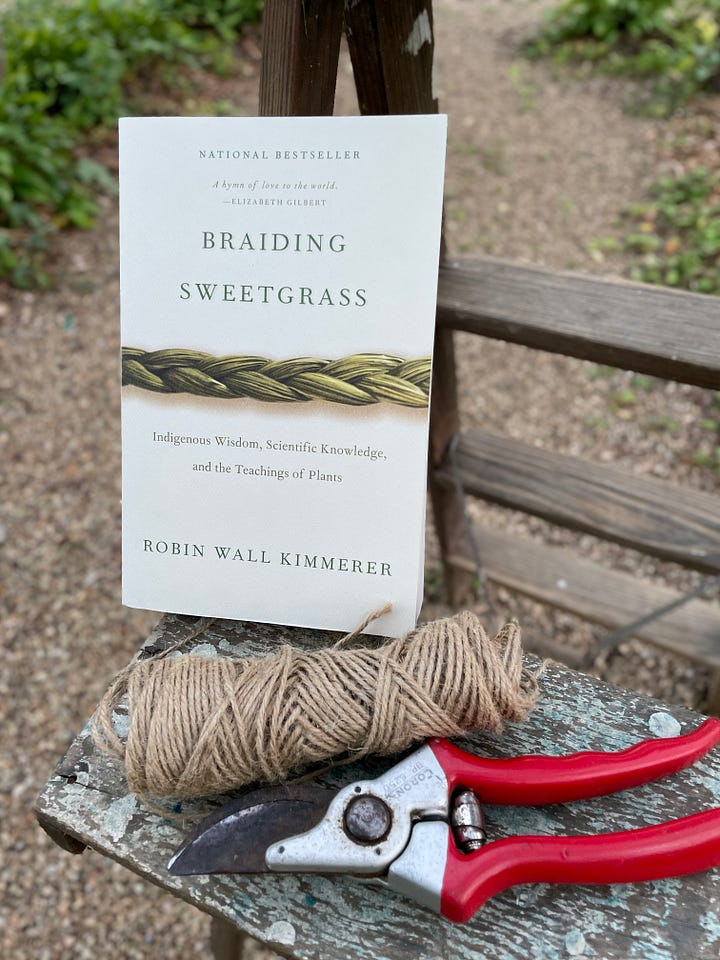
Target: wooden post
{"x":447,"y":506}
{"x":392,"y":47}
{"x":301,"y":47}
{"x":226,"y":941}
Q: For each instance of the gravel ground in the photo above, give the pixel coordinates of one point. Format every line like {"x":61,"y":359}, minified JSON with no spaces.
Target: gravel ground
{"x":539,"y":163}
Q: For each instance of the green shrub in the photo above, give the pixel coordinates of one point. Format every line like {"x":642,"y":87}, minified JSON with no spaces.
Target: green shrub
{"x":606,"y":21}
{"x":677,"y":233}
{"x":224,"y":17}
{"x":675,"y":42}
{"x":78,"y":53}
{"x":43,"y":186}
{"x":67,"y":66}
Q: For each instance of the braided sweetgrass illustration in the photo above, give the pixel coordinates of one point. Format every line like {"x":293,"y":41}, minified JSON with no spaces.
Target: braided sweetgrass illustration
{"x":360,"y":379}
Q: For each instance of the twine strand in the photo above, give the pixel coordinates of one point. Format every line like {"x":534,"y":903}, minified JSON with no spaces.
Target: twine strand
{"x":201,"y":726}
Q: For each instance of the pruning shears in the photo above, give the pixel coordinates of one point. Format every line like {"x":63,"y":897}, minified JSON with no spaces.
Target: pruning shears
{"x":419,"y":827}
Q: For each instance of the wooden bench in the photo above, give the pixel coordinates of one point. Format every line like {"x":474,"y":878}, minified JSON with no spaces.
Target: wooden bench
{"x":86,"y":803}
{"x":650,"y":330}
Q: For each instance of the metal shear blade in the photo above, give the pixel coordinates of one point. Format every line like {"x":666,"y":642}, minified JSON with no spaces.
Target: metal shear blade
{"x":235,"y":837}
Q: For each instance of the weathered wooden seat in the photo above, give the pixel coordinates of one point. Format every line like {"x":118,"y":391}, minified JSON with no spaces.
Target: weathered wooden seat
{"x":86,"y":803}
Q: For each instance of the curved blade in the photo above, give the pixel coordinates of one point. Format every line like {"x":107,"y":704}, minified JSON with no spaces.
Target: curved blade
{"x":235,"y":837}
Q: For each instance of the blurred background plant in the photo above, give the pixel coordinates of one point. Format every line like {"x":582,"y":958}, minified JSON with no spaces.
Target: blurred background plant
{"x":674,"y":234}
{"x":673,"y":43}
{"x":677,"y":232}
{"x":69,"y":68}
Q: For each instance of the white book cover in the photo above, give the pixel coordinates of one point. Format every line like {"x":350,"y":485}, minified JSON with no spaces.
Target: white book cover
{"x":278,"y":290}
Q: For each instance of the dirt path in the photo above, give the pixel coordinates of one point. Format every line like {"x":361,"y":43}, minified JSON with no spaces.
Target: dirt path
{"x":538,"y":166}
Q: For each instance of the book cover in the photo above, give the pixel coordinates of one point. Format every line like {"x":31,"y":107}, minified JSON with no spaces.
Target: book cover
{"x":278,"y":288}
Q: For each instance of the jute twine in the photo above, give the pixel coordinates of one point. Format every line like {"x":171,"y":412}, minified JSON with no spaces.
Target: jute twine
{"x":200,"y":725}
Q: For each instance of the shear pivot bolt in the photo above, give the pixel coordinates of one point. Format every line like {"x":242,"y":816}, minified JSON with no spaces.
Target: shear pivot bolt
{"x":367,"y":819}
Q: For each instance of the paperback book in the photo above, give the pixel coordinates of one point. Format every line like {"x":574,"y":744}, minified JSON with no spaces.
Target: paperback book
{"x":278,"y":289}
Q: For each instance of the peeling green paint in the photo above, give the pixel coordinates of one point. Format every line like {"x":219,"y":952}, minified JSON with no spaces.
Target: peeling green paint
{"x":710,"y":922}
{"x":575,"y":942}
{"x":119,"y":814}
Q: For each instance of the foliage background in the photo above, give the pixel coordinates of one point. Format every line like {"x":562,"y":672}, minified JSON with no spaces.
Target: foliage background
{"x":70,"y":68}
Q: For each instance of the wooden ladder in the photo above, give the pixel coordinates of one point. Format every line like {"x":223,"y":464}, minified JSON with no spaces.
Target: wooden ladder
{"x":647,"y":329}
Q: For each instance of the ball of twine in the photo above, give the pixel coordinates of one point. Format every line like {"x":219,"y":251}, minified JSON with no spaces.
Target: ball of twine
{"x":200,"y":726}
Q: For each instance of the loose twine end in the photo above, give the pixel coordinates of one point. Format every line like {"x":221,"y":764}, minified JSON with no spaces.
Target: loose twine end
{"x":201,"y":726}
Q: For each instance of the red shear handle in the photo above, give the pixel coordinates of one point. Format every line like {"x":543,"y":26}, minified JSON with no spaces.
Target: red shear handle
{"x":667,"y":850}
{"x":535,"y":780}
